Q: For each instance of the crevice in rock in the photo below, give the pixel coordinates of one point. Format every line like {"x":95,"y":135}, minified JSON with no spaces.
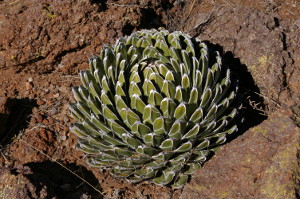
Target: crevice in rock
{"x":286,"y":57}
{"x":57,"y":59}
{"x":166,"y":5}
{"x":102,"y":4}
{"x":296,"y":175}
{"x":127,"y":29}
{"x":199,"y":28}
{"x":296,"y":114}
{"x":22,"y":66}
{"x":283,"y":39}
{"x":150,"y":19}
{"x":284,"y":78}
{"x":276,"y":22}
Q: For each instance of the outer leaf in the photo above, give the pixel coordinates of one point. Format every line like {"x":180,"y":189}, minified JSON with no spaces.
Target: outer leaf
{"x":185,"y":81}
{"x":180,"y":181}
{"x":192,"y":133}
{"x":205,"y":97}
{"x":197,"y":115}
{"x":167,"y":145}
{"x":168,"y":107}
{"x":176,"y":130}
{"x":184,"y":147}
{"x":159,"y":126}
{"x":180,"y":112}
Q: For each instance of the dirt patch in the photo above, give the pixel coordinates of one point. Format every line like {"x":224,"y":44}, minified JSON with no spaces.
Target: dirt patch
{"x":60,"y":36}
{"x":43,"y":45}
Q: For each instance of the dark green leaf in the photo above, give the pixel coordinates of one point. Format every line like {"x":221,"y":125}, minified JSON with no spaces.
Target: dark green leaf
{"x":159,"y":126}
{"x":197,"y":115}
{"x":184,"y":147}
{"x":167,"y":145}
{"x":176,"y":129}
{"x":192,"y":133}
{"x":180,"y":112}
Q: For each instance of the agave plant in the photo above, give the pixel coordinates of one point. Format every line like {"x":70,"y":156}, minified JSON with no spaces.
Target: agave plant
{"x":153,"y":106}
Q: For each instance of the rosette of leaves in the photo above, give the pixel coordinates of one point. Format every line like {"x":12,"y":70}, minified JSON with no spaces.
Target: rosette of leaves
{"x":153,"y":106}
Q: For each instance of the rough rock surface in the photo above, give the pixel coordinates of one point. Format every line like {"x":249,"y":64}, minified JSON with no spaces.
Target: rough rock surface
{"x":262,"y":38}
{"x":43,"y":45}
{"x":261,"y":163}
{"x":62,"y":35}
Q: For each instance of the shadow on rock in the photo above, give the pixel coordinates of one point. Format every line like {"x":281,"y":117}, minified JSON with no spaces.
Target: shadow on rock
{"x":51,"y":180}
{"x":14,"y":117}
{"x":102,"y":4}
{"x":150,"y":19}
{"x":253,"y":105}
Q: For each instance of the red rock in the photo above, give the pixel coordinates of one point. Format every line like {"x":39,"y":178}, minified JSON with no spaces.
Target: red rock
{"x":43,"y":134}
{"x":50,"y":121}
{"x":50,"y":136}
{"x":48,"y":101}
{"x":45,"y":121}
{"x":261,"y":163}
{"x":40,"y":102}
{"x":39,"y":118}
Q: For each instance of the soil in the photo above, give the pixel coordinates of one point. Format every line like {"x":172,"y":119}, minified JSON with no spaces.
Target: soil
{"x":44,"y":44}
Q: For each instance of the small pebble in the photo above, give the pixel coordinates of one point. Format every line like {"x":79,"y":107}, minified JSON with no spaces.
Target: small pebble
{"x":57,"y":128}
{"x":66,"y":119}
{"x":50,"y":136}
{"x":50,"y":120}
{"x":43,"y":134}
{"x":66,"y":128}
{"x":56,"y":95}
{"x":46,"y":91}
{"x":63,"y":137}
{"x":28,"y":85}
{"x":52,"y":111}
{"x":48,"y":101}
{"x":39,"y":118}
{"x":63,"y":89}
{"x":31,"y":96}
{"x":40,"y":102}
{"x":45,"y":121}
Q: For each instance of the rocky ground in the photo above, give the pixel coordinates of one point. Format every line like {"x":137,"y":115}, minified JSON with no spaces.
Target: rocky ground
{"x":43,"y":45}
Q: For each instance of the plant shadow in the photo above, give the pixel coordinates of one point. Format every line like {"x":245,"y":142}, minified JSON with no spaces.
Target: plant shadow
{"x":59,"y":182}
{"x":17,"y":119}
{"x":253,"y":104}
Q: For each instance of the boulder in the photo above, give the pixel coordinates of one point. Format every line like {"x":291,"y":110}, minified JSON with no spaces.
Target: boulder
{"x":261,"y":163}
